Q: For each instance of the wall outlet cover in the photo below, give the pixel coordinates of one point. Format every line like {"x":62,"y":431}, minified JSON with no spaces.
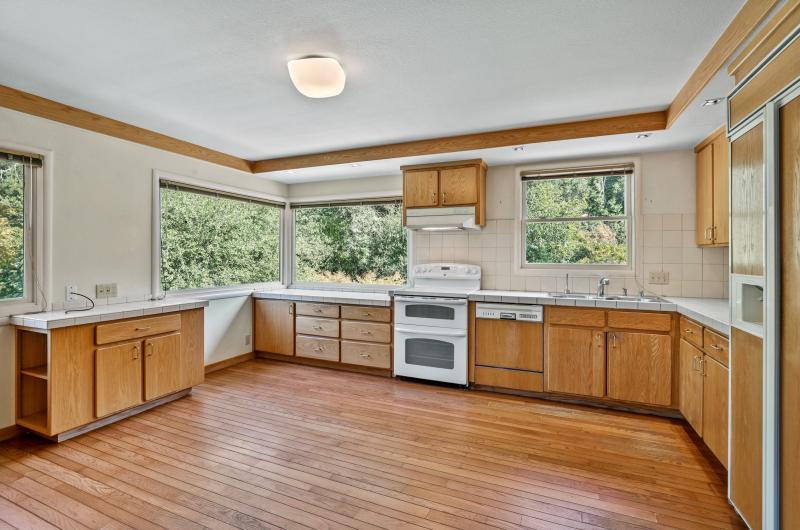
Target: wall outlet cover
{"x":247,"y":340}
{"x":659,"y":278}
{"x":70,"y":290}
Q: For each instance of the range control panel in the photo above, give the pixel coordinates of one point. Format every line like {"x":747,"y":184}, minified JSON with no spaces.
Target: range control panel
{"x":526,"y":313}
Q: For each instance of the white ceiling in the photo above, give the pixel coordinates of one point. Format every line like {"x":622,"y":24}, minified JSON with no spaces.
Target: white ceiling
{"x":214,"y":73}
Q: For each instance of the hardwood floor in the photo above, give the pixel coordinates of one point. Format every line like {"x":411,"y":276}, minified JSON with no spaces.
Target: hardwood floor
{"x":265,"y":444}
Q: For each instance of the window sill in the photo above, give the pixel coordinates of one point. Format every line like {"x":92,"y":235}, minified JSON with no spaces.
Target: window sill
{"x":222,"y":293}
{"x":357,"y":287}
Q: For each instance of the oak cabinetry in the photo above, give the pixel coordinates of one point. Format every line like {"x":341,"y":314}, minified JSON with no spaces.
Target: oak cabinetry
{"x":317,"y":310}
{"x":508,"y":354}
{"x":273,"y":326}
{"x":610,"y":354}
{"x":377,"y":314}
{"x":510,"y":379}
{"x":691,"y":332}
{"x":712,"y":190}
{"x":369,"y":331}
{"x":321,"y":327}
{"x":691,"y":384}
{"x":71,"y":377}
{"x":366,"y":354}
{"x":747,"y":202}
{"x":640,"y":367}
{"x":715,"y":408}
{"x":317,"y":347}
{"x":449,"y":184}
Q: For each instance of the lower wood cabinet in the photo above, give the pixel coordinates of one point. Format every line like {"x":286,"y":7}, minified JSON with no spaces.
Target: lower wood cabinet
{"x":508,"y":344}
{"x":715,"y":408}
{"x":163,"y":369}
{"x":366,"y":354}
{"x":118,"y":378}
{"x":640,"y":367}
{"x":690,"y":401}
{"x":510,"y":379}
{"x":326,"y":349}
{"x":273,"y":326}
{"x":575,"y":361}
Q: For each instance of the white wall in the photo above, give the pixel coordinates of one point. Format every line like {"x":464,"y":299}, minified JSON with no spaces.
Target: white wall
{"x":376,"y":185}
{"x":101,"y":215}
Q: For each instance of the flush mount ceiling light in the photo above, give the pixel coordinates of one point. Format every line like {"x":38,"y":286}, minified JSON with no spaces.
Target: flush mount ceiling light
{"x":354,"y":164}
{"x":712,"y":101}
{"x":317,"y":77}
{"x":642,"y":136}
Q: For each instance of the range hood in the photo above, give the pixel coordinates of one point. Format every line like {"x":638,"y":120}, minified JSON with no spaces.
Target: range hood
{"x":455,"y":218}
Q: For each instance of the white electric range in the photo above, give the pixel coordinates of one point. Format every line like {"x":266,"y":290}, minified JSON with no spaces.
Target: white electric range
{"x":430,"y":332}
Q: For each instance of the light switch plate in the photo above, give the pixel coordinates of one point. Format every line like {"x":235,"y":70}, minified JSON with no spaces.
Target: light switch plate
{"x":659,"y":278}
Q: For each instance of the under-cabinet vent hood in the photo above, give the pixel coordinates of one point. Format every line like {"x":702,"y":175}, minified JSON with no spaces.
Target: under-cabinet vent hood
{"x":456,"y":218}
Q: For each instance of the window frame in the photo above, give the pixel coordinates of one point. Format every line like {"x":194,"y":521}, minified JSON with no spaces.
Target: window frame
{"x":332,"y":200}
{"x":36,"y":233}
{"x":623,"y":270}
{"x":155,"y":265}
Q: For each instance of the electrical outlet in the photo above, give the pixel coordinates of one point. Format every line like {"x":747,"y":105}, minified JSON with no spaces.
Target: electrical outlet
{"x":105,"y":290}
{"x":70,"y":291}
{"x":659,"y":278}
{"x":247,"y":340}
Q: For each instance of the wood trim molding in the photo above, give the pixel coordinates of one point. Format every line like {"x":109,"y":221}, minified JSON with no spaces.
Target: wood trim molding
{"x":752,"y":13}
{"x":773,"y":32}
{"x":18,"y":100}
{"x":633,"y":123}
{"x":722,"y":129}
{"x":238,"y":359}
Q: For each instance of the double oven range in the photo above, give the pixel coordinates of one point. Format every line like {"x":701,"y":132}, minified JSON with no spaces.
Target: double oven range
{"x":430,"y":333}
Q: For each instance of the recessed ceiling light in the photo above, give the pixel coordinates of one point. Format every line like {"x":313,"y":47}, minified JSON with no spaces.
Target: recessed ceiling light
{"x":519,"y":148}
{"x":317,"y":77}
{"x":355,"y":165}
{"x":712,"y":101}
{"x":642,"y":136}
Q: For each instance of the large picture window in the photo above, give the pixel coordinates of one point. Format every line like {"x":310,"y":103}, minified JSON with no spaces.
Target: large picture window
{"x":216,"y":239}
{"x":578,"y":216}
{"x":19,"y":176}
{"x":358,"y":243}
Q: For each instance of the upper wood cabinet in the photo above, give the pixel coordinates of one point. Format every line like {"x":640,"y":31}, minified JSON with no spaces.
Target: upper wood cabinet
{"x":274,"y":326}
{"x":747,"y":201}
{"x":445,"y":185}
{"x":712,"y":190}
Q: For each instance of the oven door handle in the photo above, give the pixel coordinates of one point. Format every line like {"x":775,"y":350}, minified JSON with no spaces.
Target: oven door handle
{"x":439,"y":301}
{"x":438,"y":332}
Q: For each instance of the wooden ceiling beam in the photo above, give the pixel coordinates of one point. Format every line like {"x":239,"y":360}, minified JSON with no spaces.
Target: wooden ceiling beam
{"x":18,"y":100}
{"x":752,"y":13}
{"x":633,"y":123}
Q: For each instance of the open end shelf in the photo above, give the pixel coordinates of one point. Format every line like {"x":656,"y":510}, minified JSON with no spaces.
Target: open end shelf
{"x":35,"y":422}
{"x":36,"y":371}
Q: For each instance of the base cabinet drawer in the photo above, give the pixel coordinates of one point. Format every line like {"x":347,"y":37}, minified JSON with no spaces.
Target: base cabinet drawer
{"x":511,"y":379}
{"x":322,"y":327}
{"x":368,"y":331}
{"x":692,"y":332}
{"x":376,"y":314}
{"x":317,"y":348}
{"x":135,"y":329}
{"x":317,"y":310}
{"x":366,"y":354}
{"x":716,"y":346}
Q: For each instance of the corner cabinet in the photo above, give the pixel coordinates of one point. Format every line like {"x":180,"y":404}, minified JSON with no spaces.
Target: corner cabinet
{"x":446,"y":185}
{"x":75,"y":378}
{"x":711,"y":157}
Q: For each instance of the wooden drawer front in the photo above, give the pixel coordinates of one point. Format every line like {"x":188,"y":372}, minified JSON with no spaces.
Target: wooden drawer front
{"x":716,"y":346}
{"x":317,"y":348}
{"x":512,"y":379}
{"x":369,"y":331}
{"x":324,"y":327}
{"x":317,"y":310}
{"x":692,"y":332}
{"x":577,"y":317}
{"x":366,"y":354}
{"x":134,"y":329}
{"x":377,"y":314}
{"x":640,"y":320}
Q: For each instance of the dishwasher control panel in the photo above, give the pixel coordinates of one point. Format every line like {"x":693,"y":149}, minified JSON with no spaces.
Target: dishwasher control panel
{"x":523,"y":312}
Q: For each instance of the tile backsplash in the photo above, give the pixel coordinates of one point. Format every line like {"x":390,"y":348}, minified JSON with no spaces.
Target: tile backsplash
{"x":665,"y":243}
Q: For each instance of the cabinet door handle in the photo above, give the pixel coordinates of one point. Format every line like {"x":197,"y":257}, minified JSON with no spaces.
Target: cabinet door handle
{"x":433,"y":196}
{"x":444,"y":196}
{"x":290,"y":308}
{"x":148,"y":349}
{"x":702,"y":363}
{"x":713,"y":233}
{"x":613,"y":340}
{"x":709,"y":234}
{"x":135,"y":352}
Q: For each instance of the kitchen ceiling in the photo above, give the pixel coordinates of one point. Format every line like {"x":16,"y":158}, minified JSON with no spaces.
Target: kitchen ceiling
{"x":214,"y":73}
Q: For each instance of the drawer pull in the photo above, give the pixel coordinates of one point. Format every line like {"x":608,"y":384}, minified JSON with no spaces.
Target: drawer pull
{"x":717,"y":347}
{"x":317,"y":327}
{"x":319,"y":348}
{"x":317,"y":310}
{"x":366,"y":332}
{"x":688,"y":331}
{"x":366,"y":355}
{"x":143,"y":328}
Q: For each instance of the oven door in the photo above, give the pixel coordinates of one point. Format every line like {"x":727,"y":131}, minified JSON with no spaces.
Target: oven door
{"x":431,"y":311}
{"x":436,"y":354}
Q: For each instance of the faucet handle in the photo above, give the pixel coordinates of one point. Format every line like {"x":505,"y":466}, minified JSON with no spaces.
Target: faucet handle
{"x":625,"y":291}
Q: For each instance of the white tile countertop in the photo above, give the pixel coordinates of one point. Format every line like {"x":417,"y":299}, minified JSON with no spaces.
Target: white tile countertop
{"x":711,"y":312}
{"x":104,"y":313}
{"x":327,"y":296}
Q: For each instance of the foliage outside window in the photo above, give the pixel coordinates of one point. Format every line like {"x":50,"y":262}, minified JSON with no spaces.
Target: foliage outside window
{"x":350,"y":243}
{"x":12,"y":232}
{"x":578,"y":217}
{"x":211,"y":239}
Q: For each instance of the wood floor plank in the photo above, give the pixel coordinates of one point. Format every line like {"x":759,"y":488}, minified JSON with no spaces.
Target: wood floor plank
{"x":266,"y":444}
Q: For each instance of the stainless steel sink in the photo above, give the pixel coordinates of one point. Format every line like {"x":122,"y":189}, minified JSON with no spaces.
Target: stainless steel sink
{"x":612,"y":298}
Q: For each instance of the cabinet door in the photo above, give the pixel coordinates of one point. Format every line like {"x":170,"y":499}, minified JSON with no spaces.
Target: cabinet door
{"x":640,"y":367}
{"x":508,"y":344}
{"x":274,"y":326}
{"x":704,"y":173}
{"x":118,"y":378}
{"x":459,"y":186}
{"x":715,"y":408}
{"x":575,"y":361}
{"x":162,"y":366}
{"x":420,"y":188}
{"x":691,"y":393}
{"x":747,"y":201}
{"x":720,"y":187}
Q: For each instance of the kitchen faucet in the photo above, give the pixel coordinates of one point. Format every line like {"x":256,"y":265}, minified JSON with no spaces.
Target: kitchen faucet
{"x":601,"y":286}
{"x":566,"y":286}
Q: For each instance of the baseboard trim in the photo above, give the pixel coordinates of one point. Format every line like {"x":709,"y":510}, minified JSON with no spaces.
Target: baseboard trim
{"x":220,"y":365}
{"x":12,"y":431}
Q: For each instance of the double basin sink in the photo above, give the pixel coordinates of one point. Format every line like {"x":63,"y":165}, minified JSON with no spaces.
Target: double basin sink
{"x":609,"y":297}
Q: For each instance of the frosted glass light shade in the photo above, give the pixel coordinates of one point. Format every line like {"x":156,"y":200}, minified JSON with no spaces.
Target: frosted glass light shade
{"x":317,"y":77}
